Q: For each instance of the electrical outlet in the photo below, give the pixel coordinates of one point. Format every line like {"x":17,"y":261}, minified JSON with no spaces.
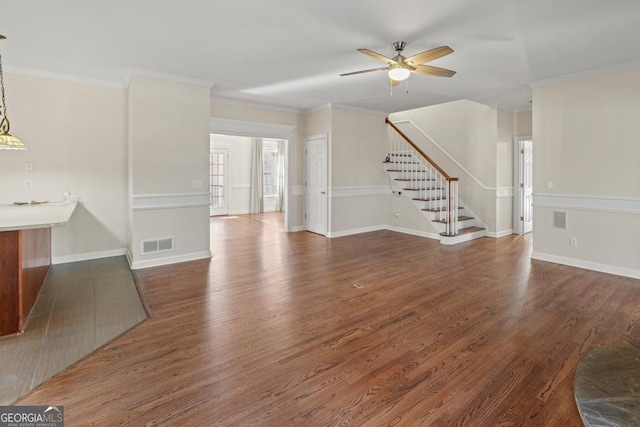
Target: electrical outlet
{"x":197,"y":184}
{"x":573,"y":242}
{"x":28,"y":185}
{"x":29,"y":167}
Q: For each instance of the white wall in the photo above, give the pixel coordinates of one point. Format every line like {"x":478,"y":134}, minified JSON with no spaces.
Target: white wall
{"x":523,"y":123}
{"x":586,"y":144}
{"x":358,"y":187}
{"x":77,"y":139}
{"x":169,"y":150}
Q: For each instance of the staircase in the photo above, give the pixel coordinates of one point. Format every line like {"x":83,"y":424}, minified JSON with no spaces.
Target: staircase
{"x":430,"y":189}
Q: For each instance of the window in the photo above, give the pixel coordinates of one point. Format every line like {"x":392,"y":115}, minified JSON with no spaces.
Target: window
{"x":270,"y":167}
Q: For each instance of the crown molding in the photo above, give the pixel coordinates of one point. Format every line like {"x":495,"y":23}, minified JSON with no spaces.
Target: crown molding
{"x":108,"y":83}
{"x":317,"y":108}
{"x":343,"y":107}
{"x":242,"y":103}
{"x":167,"y":77}
{"x":523,"y":110}
{"x":360,"y":110}
{"x":65,"y":77}
{"x":586,"y":74}
{"x":219,"y":125}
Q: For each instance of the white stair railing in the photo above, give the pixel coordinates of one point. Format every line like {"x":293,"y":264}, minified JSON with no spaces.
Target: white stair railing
{"x":431,"y":186}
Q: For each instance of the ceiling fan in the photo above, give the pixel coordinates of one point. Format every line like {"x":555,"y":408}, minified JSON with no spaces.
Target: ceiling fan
{"x":399,"y":67}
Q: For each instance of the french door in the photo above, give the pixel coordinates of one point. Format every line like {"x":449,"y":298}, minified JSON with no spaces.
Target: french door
{"x":219,"y":181}
{"x":523,"y":185}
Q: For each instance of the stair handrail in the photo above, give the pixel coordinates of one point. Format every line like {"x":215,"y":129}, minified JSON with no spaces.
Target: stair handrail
{"x":422,"y":153}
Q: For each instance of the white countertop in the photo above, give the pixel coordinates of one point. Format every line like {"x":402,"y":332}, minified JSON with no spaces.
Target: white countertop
{"x":21,"y":217}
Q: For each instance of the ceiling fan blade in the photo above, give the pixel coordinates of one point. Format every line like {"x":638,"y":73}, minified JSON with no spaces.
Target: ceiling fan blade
{"x":377,"y":56}
{"x":432,"y":71}
{"x":364,"y":71}
{"x":428,"y":55}
{"x":393,"y":82}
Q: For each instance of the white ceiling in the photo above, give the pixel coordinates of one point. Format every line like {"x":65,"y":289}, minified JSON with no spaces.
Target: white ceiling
{"x":289,"y":53}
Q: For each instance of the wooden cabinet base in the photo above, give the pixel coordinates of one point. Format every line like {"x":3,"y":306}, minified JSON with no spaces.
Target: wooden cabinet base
{"x":25,"y":258}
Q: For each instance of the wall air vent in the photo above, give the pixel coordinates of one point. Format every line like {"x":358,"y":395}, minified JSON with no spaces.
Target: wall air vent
{"x":157,"y":245}
{"x":560,"y":219}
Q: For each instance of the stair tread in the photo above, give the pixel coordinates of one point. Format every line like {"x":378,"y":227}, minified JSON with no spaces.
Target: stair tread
{"x":416,"y":179}
{"x":438,"y":209}
{"x":460,"y":218}
{"x":464,"y":231}
{"x":428,"y":199}
{"x":423,"y":189}
{"x":404,"y":163}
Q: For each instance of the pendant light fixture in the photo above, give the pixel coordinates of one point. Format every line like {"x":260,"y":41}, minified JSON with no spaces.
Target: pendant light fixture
{"x":7,"y":141}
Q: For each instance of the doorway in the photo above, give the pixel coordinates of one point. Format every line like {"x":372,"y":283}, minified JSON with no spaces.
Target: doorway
{"x":523,"y":185}
{"x":247,"y":175}
{"x":247,"y":129}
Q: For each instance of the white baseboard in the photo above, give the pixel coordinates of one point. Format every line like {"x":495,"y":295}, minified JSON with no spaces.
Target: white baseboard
{"x":239,"y":212}
{"x":298,"y":228}
{"x":156,"y":262}
{"x":355,"y":231}
{"x":87,"y":256}
{"x":588,"y":265}
{"x":498,"y":234}
{"x":384,"y":227}
{"x":412,"y":232}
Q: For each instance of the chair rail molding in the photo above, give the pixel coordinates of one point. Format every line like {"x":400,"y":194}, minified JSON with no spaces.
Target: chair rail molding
{"x":142,"y":202}
{"x":611,"y":204}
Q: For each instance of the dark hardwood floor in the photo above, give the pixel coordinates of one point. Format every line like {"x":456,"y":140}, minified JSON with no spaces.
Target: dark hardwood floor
{"x":271,"y":331}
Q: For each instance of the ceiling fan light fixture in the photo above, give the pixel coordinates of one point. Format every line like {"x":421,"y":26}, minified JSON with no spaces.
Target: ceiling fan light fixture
{"x":399,"y":73}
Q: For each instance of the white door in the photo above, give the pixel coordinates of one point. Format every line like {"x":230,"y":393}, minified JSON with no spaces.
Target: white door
{"x":526,"y":153}
{"x":219,"y":181}
{"x":316,"y":184}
